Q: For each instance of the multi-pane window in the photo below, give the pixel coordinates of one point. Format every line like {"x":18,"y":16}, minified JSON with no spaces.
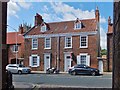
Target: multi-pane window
{"x":47,"y":43}
{"x":34,"y":59}
{"x":34,"y":43}
{"x":68,"y":42}
{"x":15,"y":48}
{"x":83,"y":42}
{"x":83,"y":59}
{"x":43,"y":28}
{"x":78,"y":25}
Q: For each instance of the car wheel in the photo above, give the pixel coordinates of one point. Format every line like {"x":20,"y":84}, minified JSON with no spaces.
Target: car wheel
{"x":19,"y":72}
{"x":73,"y":73}
{"x":93,"y":73}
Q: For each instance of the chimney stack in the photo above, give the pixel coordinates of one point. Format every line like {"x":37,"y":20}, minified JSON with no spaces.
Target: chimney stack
{"x":97,"y":14}
{"x":110,"y":25}
{"x":38,"y":19}
{"x":21,"y":31}
{"x":109,"y":20}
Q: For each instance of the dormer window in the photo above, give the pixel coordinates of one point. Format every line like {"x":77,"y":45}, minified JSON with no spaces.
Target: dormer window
{"x":77,"y":24}
{"x":43,"y":28}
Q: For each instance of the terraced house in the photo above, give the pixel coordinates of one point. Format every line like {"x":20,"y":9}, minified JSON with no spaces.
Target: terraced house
{"x":62,"y":44}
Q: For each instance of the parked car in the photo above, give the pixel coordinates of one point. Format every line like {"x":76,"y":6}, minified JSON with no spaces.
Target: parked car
{"x":83,"y":69}
{"x":18,"y":68}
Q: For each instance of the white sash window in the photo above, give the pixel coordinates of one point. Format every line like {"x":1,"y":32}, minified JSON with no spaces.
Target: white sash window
{"x":34,"y":61}
{"x":83,"y":59}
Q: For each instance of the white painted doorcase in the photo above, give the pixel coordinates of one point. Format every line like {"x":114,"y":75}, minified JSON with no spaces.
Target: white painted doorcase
{"x":67,"y":61}
{"x":46,"y":61}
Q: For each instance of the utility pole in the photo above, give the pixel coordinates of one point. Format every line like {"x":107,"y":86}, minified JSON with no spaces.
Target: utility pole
{"x":3,"y":46}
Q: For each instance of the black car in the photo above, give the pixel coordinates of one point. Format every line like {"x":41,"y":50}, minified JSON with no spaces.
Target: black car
{"x":83,"y":69}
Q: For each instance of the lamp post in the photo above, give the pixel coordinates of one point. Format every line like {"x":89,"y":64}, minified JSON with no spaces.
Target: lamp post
{"x":16,"y":41}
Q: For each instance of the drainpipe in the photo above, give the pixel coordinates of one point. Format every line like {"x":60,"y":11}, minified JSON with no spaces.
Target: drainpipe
{"x":58,"y":52}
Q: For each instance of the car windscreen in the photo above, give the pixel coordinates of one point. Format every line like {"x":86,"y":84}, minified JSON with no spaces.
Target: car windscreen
{"x":21,"y":66}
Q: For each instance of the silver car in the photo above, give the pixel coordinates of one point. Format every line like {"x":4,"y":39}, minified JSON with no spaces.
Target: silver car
{"x":18,"y":68}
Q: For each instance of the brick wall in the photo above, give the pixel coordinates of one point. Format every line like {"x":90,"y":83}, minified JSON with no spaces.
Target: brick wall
{"x":109,"y":51}
{"x":116,"y":47}
{"x":76,"y":50}
{"x":12,"y":55}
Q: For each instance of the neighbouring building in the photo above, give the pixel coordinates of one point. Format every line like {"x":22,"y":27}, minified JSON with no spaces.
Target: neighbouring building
{"x":116,"y":46}
{"x":15,"y":45}
{"x":62,"y":44}
{"x":109,"y":45}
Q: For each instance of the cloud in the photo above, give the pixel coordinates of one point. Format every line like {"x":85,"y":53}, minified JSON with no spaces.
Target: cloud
{"x":45,"y":8}
{"x":63,"y":12}
{"x":102,"y":20}
{"x":68,"y":12}
{"x":13,"y":8}
{"x":24,"y":4}
{"x":103,"y":38}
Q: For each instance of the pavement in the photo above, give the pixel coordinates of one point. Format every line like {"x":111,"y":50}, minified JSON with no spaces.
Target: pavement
{"x":30,"y":86}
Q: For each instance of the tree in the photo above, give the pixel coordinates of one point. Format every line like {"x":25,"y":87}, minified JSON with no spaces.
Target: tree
{"x":26,"y":26}
{"x":103,"y":52}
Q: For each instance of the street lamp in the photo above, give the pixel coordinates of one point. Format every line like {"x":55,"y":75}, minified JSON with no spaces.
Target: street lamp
{"x":16,"y":41}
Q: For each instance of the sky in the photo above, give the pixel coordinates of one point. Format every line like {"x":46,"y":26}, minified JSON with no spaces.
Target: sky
{"x":57,"y":11}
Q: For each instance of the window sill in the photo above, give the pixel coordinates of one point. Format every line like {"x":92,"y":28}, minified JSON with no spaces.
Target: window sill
{"x":77,"y":28}
{"x":47,"y":48}
{"x":15,"y":51}
{"x":67,"y":47}
{"x":84,"y":47}
{"x":34,"y":48}
{"x":34,"y":66}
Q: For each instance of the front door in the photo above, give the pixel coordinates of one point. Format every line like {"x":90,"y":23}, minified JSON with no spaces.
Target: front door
{"x":67,"y":62}
{"x":46,"y":61}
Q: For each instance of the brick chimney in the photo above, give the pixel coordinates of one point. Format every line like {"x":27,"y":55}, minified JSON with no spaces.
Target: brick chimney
{"x":21,"y":30}
{"x":97,"y":14}
{"x":109,"y":20}
{"x":38,"y":19}
{"x":110,"y":25}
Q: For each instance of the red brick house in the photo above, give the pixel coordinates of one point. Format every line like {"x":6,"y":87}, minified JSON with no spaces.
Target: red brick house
{"x":13,"y":50}
{"x":109,"y":45}
{"x":62,"y":44}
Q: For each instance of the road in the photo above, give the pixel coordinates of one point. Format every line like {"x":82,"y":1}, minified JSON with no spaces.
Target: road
{"x":103,"y":81}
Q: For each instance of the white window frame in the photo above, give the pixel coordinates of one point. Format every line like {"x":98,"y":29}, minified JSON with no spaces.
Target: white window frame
{"x":45,"y":47}
{"x":87,"y":58}
{"x":34,"y":48}
{"x":77,"y":25}
{"x":86,"y":42}
{"x":13,"y":48}
{"x":31,"y":60}
{"x":43,"y":28}
{"x":66,"y":42}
